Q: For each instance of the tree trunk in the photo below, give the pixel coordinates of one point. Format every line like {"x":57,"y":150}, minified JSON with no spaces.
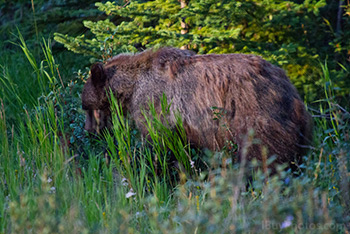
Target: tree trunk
{"x":339,"y":17}
{"x":184,"y":26}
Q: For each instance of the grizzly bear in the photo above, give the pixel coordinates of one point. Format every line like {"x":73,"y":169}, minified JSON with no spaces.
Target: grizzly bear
{"x":252,"y":95}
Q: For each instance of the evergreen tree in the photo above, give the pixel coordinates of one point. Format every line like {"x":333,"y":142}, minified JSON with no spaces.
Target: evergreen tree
{"x":292,"y":34}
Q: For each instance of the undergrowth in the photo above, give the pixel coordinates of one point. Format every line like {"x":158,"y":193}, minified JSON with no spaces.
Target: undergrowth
{"x":55,"y":179}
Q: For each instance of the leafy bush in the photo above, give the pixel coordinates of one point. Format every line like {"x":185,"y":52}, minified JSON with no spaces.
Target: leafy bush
{"x":292,"y":34}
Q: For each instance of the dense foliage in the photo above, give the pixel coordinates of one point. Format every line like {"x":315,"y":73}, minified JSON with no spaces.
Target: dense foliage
{"x":296,"y":35}
{"x":54,"y":178}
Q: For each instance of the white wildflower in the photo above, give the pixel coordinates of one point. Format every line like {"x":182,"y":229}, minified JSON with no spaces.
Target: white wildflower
{"x":287,"y":222}
{"x":192,"y":163}
{"x":52,"y":190}
{"x":137,"y":214}
{"x":130,"y":194}
{"x":125,"y":182}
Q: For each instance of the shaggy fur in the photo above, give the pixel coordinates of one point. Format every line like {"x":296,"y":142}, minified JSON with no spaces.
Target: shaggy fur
{"x":252,"y":93}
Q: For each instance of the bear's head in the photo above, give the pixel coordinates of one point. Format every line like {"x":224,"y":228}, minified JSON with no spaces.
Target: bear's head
{"x":95,"y":100}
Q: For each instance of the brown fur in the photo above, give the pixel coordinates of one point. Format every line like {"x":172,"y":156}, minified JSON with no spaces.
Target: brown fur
{"x":253,"y":93}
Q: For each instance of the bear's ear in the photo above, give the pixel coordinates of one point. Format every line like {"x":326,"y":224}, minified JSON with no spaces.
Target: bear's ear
{"x":98,"y":75}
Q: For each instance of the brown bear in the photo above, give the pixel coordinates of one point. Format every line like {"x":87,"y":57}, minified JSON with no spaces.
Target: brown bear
{"x":250,"y":93}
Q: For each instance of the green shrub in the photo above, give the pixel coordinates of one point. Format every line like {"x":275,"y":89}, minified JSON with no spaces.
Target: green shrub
{"x":291,"y":34}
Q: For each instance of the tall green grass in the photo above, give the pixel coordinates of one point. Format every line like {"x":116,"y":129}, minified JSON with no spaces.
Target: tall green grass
{"x":126,"y":184}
